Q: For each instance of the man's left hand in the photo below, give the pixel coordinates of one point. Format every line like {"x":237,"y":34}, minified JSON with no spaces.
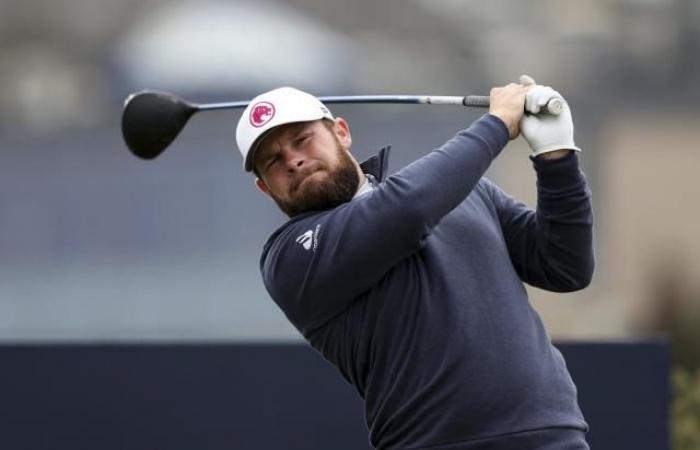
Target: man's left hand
{"x":548,"y":135}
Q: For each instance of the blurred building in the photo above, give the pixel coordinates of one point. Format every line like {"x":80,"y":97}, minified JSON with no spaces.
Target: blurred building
{"x":95,"y":244}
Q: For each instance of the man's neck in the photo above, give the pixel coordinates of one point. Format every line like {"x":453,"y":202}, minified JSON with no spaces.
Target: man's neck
{"x":363,"y":187}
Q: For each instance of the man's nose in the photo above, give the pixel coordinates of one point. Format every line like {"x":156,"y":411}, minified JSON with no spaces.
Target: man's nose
{"x":295,"y":161}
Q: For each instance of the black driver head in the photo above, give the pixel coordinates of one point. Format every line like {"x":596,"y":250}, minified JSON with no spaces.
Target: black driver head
{"x":152,"y":120}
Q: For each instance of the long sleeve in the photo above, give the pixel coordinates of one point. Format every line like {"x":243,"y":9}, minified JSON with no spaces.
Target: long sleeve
{"x":353,"y":246}
{"x":552,"y":247}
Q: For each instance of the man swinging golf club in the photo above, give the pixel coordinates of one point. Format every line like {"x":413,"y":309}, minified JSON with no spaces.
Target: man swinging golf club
{"x":411,"y":285}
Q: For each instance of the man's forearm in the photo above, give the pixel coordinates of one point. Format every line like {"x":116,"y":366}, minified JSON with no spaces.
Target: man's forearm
{"x":565,"y":211}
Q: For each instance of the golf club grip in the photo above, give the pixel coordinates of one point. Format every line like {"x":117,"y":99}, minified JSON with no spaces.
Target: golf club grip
{"x":482,"y":101}
{"x":553,"y":106}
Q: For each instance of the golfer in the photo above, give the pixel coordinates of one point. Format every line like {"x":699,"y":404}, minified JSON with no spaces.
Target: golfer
{"x":411,"y":284}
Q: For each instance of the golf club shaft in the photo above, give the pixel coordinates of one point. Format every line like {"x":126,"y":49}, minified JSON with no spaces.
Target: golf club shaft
{"x":470,"y":100}
{"x":554,"y":106}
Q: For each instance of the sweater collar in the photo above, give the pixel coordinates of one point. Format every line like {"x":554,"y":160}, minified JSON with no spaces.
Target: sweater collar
{"x":378,"y":165}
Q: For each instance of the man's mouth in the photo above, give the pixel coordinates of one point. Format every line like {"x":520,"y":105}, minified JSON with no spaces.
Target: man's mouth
{"x":303,"y":177}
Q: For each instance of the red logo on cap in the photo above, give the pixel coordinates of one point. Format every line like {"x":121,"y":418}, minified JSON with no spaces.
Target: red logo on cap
{"x":261,"y":113}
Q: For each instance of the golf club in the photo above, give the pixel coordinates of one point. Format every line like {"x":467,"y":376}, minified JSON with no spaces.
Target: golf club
{"x":152,"y":120}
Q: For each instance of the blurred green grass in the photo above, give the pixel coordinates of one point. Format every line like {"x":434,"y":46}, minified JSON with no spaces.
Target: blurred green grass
{"x":685,"y":409}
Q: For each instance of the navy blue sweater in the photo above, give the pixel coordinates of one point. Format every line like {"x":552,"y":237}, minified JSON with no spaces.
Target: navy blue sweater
{"x":415,"y":293}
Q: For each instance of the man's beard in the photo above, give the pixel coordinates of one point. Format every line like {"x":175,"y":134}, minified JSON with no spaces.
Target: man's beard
{"x":339,"y":187}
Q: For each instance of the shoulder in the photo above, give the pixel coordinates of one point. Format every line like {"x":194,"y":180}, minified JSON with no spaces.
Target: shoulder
{"x":485,"y":188}
{"x":297,"y":241}
{"x":494,"y":192}
{"x":488,"y":194}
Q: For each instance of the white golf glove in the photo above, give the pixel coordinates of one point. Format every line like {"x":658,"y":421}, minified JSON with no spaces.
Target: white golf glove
{"x":546,"y":132}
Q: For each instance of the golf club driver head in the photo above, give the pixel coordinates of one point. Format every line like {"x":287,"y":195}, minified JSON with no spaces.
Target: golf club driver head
{"x":152,"y":120}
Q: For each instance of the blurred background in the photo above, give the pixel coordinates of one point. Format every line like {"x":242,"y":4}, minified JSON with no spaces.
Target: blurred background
{"x":96,"y":245}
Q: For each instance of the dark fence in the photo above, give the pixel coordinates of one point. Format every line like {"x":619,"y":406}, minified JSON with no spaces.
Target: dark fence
{"x":210,"y":397}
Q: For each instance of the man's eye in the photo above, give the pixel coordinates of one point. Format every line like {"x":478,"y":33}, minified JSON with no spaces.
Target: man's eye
{"x":302,"y":139}
{"x":271,"y":161}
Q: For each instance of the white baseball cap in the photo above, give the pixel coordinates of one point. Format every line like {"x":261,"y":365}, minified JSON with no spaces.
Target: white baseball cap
{"x":272,"y":109}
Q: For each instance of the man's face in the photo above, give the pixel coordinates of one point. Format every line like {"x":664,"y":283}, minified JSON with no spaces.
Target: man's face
{"x":306,"y":166}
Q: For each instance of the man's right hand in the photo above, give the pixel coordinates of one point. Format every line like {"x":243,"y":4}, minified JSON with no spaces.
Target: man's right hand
{"x":508,"y":104}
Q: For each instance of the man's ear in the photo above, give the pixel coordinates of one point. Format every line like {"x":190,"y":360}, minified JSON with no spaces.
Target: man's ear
{"x":262,"y":187}
{"x":342,"y":130}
